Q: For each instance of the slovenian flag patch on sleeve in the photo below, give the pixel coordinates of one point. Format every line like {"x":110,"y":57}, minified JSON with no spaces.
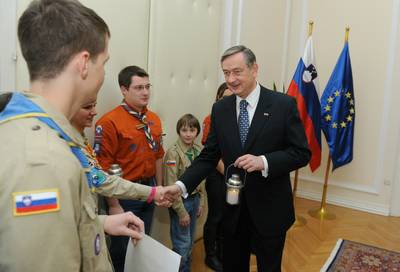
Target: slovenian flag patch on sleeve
{"x":35,"y":202}
{"x":170,"y":163}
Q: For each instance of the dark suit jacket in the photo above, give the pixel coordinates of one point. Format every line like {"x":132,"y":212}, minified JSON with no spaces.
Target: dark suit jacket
{"x":275,"y":132}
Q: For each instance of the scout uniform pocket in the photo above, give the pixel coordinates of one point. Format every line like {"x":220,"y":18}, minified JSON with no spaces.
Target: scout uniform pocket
{"x":93,"y":247}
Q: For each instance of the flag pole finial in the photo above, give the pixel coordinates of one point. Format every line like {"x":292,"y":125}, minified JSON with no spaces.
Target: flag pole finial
{"x":346,"y":37}
{"x":310,"y":27}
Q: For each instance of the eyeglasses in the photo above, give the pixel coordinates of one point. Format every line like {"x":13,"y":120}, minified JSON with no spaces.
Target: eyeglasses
{"x":142,"y":87}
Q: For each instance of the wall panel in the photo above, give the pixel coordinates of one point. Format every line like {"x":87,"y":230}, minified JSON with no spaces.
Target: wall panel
{"x":263,"y":29}
{"x":183,"y":64}
{"x":8,"y":10}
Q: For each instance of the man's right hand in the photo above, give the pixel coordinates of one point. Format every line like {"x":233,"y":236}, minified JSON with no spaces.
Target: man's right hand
{"x":169,"y":195}
{"x":125,"y":224}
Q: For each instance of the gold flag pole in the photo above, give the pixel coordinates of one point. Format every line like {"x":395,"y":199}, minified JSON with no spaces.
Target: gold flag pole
{"x":346,"y":36}
{"x":322,"y":213}
{"x":310,"y":28}
{"x":300,"y":220}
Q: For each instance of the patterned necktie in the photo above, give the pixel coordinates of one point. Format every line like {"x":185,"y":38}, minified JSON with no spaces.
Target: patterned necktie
{"x":145,"y":126}
{"x":243,"y":121}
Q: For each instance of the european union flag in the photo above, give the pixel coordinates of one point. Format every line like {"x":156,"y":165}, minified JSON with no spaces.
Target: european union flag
{"x":338,"y":111}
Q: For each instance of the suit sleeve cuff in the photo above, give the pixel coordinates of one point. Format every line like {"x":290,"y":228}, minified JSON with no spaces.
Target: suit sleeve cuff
{"x":264,"y":172}
{"x":183,"y":188}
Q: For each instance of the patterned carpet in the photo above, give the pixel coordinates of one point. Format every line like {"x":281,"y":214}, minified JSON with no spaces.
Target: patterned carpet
{"x":349,"y":256}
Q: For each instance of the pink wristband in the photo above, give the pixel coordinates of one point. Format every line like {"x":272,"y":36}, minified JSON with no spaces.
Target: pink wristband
{"x":152,"y":194}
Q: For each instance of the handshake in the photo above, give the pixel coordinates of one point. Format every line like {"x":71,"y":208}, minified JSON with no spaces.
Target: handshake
{"x":122,"y":223}
{"x":166,"y":195}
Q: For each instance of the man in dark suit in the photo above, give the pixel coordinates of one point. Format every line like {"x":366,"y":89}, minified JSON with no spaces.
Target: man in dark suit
{"x":258,"y":131}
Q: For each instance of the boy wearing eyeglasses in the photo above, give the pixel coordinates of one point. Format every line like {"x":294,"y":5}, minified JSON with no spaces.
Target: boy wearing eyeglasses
{"x":130,"y":136}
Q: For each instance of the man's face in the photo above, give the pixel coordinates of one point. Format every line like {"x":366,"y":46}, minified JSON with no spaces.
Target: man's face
{"x":96,"y":72}
{"x":91,"y":78}
{"x":240,"y":78}
{"x":138,"y":93}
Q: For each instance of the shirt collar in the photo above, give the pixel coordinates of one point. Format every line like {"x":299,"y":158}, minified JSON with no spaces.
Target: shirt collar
{"x":252,"y":98}
{"x":185,"y":148}
{"x":144,"y":111}
{"x":57,"y":116}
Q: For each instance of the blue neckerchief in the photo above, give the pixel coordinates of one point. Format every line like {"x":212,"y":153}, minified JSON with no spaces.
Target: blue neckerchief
{"x":21,"y":107}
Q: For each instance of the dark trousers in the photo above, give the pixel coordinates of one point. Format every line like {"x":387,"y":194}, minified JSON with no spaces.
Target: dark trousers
{"x":212,"y":232}
{"x":237,"y":247}
{"x":119,"y":244}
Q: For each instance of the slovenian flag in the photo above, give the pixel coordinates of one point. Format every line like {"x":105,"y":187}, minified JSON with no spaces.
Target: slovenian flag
{"x":34,"y":202}
{"x":170,"y":163}
{"x":304,"y":87}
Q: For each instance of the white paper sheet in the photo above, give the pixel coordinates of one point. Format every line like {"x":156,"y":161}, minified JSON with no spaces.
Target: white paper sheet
{"x":150,"y":256}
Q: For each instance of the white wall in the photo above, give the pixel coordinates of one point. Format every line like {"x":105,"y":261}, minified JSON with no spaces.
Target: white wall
{"x":8,"y":10}
{"x":183,"y":64}
{"x":263,"y":30}
{"x":366,"y":183}
{"x":394,"y":126}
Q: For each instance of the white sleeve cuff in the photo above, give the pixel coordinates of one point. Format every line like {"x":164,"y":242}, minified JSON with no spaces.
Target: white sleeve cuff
{"x":264,"y":172}
{"x":183,"y":188}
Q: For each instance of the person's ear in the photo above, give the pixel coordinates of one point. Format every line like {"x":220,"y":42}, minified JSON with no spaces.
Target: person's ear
{"x":124,"y":90}
{"x":83,"y":64}
{"x":255,"y":69}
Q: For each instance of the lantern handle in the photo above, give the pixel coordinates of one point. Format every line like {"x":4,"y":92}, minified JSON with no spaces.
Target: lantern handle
{"x":226,"y":174}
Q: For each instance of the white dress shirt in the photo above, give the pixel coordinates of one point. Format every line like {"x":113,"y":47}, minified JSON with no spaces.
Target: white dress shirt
{"x":252,"y":100}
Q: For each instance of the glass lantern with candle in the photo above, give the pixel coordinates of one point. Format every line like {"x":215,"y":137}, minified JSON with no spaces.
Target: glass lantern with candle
{"x":233,"y":187}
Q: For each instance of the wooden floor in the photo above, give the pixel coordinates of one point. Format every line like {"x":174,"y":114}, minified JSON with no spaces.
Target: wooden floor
{"x":308,"y":247}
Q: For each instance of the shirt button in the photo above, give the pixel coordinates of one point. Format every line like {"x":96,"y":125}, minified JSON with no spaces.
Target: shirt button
{"x":35,"y":127}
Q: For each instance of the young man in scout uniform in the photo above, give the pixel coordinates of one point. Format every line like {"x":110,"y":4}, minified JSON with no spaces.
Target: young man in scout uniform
{"x":130,"y":135}
{"x":48,"y":217}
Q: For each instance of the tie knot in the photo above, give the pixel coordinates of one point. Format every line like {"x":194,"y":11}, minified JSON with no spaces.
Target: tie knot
{"x":243,"y":104}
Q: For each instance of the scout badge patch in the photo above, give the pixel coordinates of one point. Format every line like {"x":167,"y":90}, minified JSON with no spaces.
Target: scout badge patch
{"x":35,"y":202}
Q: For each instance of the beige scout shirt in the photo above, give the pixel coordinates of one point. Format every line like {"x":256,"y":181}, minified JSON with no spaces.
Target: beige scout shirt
{"x":33,"y":157}
{"x":115,"y":186}
{"x":120,"y":188}
{"x":175,"y":164}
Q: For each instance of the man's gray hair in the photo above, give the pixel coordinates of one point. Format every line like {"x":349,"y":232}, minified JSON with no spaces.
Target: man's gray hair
{"x":249,"y":56}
